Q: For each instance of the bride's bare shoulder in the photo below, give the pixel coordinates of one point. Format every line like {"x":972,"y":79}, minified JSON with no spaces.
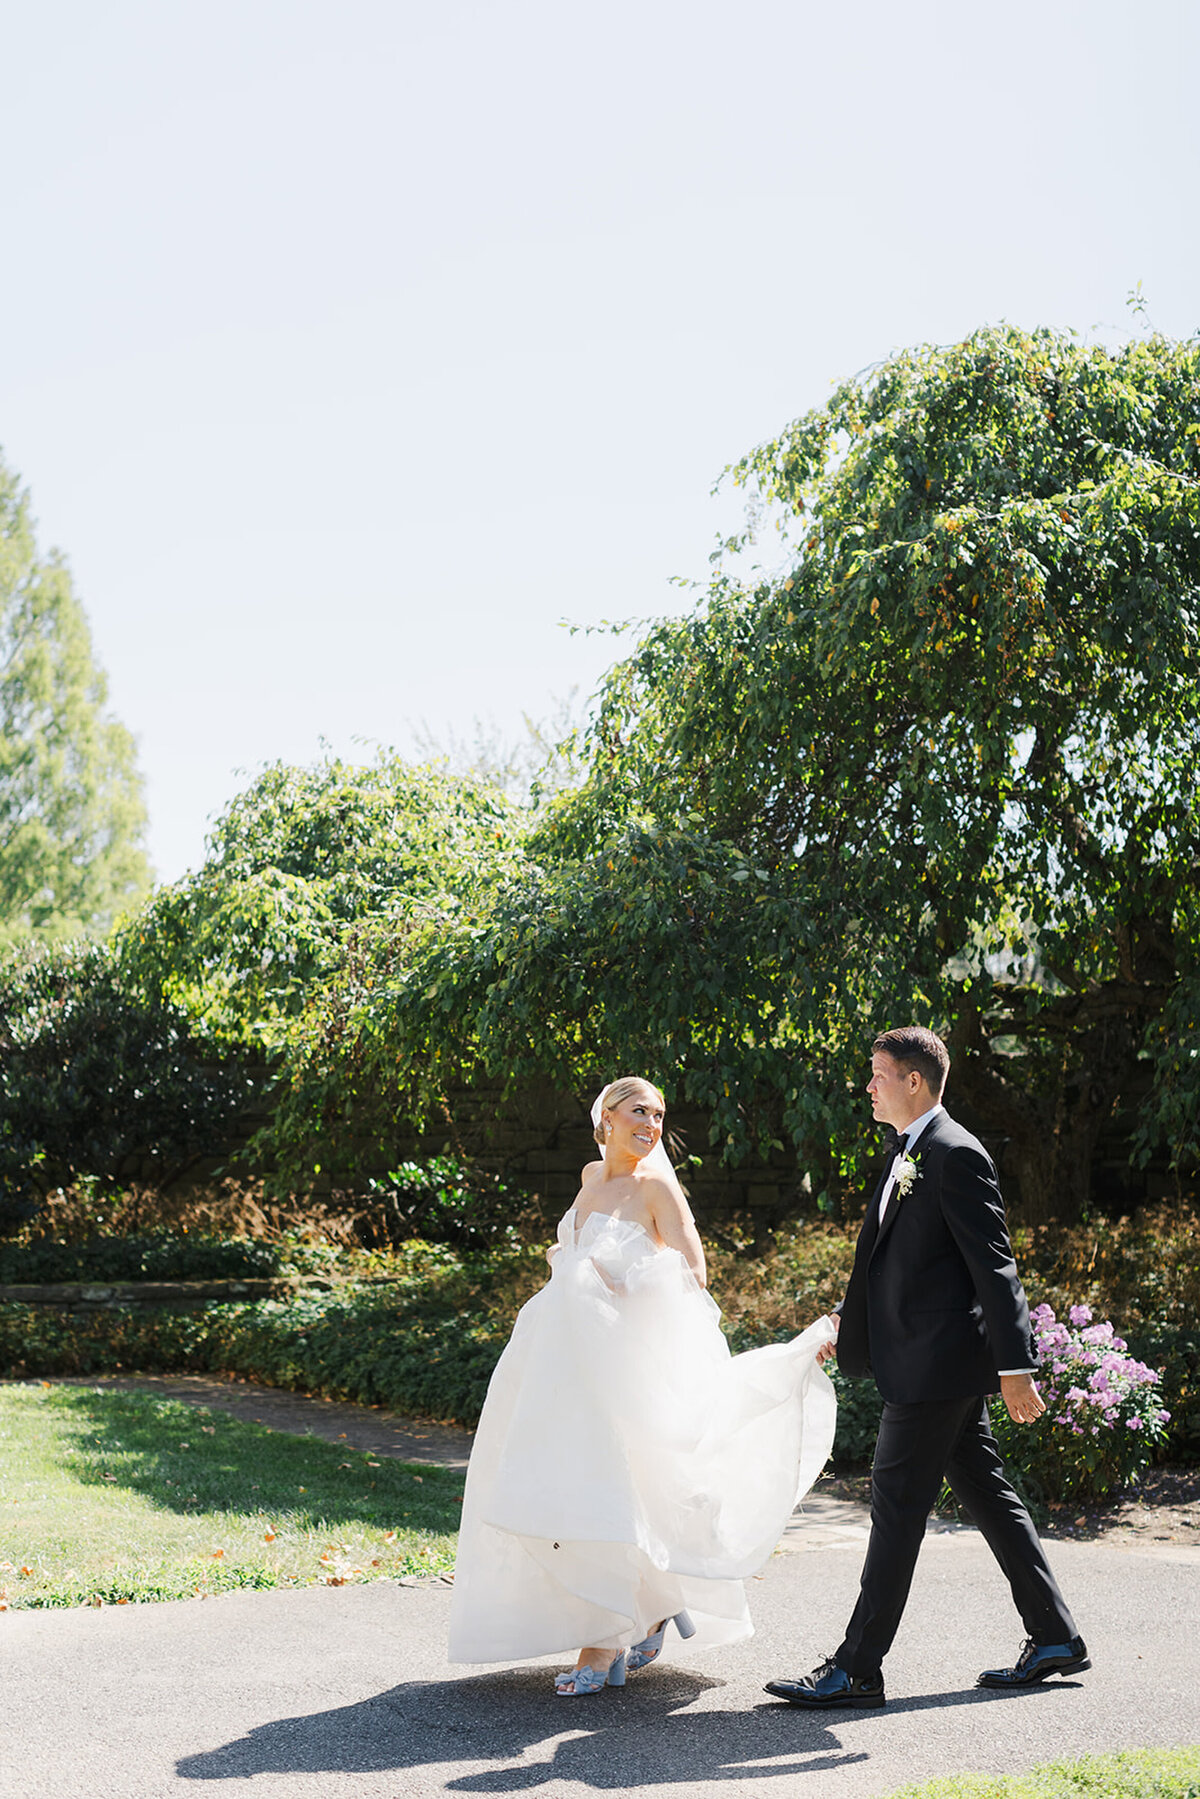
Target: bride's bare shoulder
{"x":590,"y":1171}
{"x":665,"y":1199}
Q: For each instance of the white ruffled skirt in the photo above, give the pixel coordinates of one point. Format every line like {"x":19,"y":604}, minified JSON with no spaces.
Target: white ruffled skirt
{"x":627,"y":1466}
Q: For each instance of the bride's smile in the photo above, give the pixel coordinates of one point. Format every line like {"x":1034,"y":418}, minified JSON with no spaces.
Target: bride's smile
{"x":632,"y":1128}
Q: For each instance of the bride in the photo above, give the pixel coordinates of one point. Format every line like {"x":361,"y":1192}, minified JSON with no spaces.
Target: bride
{"x":628,"y":1471}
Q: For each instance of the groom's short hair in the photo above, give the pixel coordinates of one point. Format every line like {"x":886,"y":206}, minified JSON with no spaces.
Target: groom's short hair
{"x":912,"y":1046}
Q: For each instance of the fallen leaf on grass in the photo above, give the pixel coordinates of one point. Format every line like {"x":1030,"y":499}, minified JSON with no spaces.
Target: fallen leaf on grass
{"x":185,"y":1446}
{"x":335,"y":1580}
{"x":210,"y":1430}
{"x":376,"y":1562}
{"x":25,"y":1568}
{"x":376,"y":1465}
{"x":95,"y":1600}
{"x":420,"y":1479}
{"x":269,"y":1536}
{"x":7,"y":1568}
{"x":345,"y":1464}
{"x":217,"y":1554}
{"x":122,"y":1602}
{"x":390,"y":1536}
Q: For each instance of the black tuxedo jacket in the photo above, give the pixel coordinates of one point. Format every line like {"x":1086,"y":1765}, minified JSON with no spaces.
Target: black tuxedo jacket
{"x":934,"y":1307}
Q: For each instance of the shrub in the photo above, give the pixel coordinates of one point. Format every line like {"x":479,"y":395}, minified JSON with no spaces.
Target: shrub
{"x":152,"y":1256}
{"x":1104,"y":1416}
{"x":93,"y":1075}
{"x":1177,"y":1353}
{"x":1142,"y":1271}
{"x":443,"y":1200}
{"x":350,"y":1345}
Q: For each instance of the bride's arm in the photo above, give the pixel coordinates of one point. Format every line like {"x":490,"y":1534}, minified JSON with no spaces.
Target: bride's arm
{"x":676,"y":1227}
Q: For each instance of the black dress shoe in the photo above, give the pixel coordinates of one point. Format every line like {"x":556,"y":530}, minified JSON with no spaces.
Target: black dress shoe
{"x":829,"y":1685}
{"x":1037,"y":1660}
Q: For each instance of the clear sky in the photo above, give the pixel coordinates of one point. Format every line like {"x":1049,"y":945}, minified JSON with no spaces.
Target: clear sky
{"x":347,"y":348}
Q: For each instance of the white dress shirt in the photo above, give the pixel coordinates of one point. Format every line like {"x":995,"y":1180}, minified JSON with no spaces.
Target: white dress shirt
{"x":910,"y":1136}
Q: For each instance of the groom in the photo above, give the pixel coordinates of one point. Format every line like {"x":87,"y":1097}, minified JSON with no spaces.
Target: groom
{"x":935,"y":1312}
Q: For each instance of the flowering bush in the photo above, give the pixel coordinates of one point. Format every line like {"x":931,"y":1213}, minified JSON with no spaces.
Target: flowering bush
{"x":1103,"y":1418}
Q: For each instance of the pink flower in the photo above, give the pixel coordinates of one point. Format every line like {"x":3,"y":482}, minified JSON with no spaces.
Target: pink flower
{"x":1133,"y":1424}
{"x":1081,"y":1315}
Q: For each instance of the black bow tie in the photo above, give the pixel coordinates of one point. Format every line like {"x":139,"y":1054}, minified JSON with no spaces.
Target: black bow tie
{"x":898,"y":1144}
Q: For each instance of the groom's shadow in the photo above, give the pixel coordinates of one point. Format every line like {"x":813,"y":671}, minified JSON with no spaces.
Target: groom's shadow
{"x":630,"y":1737}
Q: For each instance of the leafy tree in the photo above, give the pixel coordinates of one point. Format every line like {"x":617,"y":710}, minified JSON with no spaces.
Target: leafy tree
{"x":940,"y":765}
{"x":72,"y":816}
{"x":294,"y":863}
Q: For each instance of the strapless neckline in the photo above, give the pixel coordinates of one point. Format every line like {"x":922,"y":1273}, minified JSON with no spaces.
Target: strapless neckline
{"x":611,"y":1217}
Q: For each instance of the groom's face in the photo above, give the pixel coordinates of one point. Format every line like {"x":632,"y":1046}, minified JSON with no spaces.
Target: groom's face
{"x":897,"y":1094}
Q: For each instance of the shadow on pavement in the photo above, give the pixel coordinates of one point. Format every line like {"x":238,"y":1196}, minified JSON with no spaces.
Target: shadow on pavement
{"x":620,"y":1740}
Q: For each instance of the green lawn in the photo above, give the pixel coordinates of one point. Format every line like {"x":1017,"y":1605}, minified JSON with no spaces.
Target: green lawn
{"x":115,"y":1497}
{"x":1135,"y":1774}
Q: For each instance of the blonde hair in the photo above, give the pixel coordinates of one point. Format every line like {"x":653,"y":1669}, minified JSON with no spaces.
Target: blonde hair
{"x":621,"y":1089}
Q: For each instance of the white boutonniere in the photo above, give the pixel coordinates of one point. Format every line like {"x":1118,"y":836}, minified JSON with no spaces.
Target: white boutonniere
{"x":905,"y":1173}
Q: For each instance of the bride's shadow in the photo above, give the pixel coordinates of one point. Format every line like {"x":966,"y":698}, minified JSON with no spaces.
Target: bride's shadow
{"x":631,"y":1737}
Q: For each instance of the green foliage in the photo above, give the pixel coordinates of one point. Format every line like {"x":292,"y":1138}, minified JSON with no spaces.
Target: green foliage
{"x":941,"y":765}
{"x":1177,"y":1353}
{"x":442,"y":1200}
{"x":94,"y":1074}
{"x":418,"y":1357}
{"x":294,"y":864}
{"x":153,"y":1256}
{"x":422,"y":1332}
{"x":72,"y":816}
{"x":1130,"y":1774}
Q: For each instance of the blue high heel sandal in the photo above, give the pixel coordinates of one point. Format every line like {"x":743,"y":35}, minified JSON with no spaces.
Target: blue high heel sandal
{"x":577,"y":1681}
{"x":645,"y":1652}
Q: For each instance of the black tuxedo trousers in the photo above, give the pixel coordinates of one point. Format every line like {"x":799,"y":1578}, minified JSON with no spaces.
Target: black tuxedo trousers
{"x":918,"y":1444}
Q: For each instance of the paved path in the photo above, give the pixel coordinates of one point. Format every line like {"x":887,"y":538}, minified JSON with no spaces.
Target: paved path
{"x":344,"y":1693}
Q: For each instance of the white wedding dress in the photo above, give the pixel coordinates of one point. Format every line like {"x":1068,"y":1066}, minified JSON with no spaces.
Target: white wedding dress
{"x":627,"y":1466}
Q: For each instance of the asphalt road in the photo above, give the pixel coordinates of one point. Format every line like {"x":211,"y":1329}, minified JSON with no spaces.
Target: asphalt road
{"x":345,"y":1693}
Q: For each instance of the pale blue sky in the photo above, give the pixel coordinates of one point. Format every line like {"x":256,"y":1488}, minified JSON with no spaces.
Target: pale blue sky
{"x":348,"y":347}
